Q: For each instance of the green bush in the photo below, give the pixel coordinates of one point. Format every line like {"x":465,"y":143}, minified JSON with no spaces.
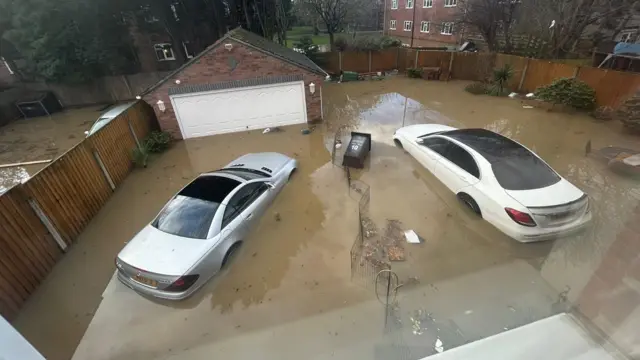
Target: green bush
{"x":477,"y":88}
{"x":139,"y":156}
{"x":306,"y":46}
{"x":341,"y":43}
{"x":567,"y":91}
{"x":415,"y":73}
{"x":365,"y":43}
{"x":157,"y":141}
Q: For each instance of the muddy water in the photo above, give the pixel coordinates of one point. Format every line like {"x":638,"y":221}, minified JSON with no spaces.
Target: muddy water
{"x":41,"y":138}
{"x":289,"y":291}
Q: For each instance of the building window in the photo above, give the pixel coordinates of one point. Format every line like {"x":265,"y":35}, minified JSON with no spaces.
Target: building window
{"x":450,"y":3}
{"x":392,"y":25}
{"x":425,"y":26}
{"x":427,"y":3}
{"x":188,"y":51}
{"x":394,"y":4}
{"x":164,"y":52}
{"x":409,"y":4}
{"x":408,"y":25}
{"x":447,"y":28}
{"x":628,"y":36}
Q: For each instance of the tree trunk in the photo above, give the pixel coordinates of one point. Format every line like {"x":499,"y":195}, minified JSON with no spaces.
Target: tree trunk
{"x":331,"y":40}
{"x":247,"y":18}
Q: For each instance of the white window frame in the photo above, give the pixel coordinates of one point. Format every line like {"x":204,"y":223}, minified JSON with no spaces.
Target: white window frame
{"x":160,"y":47}
{"x":408,"y":28}
{"x":445,"y":26}
{"x":450,"y":3}
{"x":186,"y":50}
{"x":392,"y":25}
{"x":422,"y":26}
{"x":409,"y":4}
{"x":6,"y":64}
{"x":631,"y":36}
{"x":394,"y":4}
{"x":427,"y":3}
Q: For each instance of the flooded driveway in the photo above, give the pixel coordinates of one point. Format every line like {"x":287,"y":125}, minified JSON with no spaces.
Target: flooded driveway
{"x":290,"y":291}
{"x":41,"y":138}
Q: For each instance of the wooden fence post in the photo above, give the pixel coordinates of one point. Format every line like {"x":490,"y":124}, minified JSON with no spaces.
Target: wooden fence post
{"x":416,"y":61}
{"x":369,"y":60}
{"x":397,"y":57}
{"x":104,"y":170}
{"x":524,"y":75}
{"x":47,"y":224}
{"x":451,"y":65}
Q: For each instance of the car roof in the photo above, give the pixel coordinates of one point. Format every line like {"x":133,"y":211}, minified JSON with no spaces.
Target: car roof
{"x":492,"y":146}
{"x":115,"y":111}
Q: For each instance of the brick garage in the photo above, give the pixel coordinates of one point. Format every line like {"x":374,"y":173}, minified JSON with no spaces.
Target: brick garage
{"x":240,"y":68}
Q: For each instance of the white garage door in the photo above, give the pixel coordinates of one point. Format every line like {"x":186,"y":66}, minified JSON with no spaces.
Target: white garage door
{"x":230,"y":110}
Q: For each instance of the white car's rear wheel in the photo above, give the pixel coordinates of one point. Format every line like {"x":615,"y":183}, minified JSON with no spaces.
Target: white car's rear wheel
{"x":398,"y":143}
{"x":470,"y":203}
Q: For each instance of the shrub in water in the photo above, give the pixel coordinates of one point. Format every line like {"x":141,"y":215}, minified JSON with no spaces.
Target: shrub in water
{"x":567,"y":91}
{"x":477,"y":88}
{"x":158,"y":141}
{"x":414,"y":73}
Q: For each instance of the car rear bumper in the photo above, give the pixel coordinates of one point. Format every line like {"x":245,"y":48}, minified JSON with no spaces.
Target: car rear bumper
{"x":149,"y":291}
{"x":533,"y":234}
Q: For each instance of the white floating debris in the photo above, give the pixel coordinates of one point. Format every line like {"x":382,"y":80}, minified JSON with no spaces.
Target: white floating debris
{"x":527,"y":107}
{"x":531,"y":95}
{"x":468,"y":312}
{"x":439,"y":348}
{"x":411,"y":237}
{"x":267,"y":130}
{"x":513,"y":95}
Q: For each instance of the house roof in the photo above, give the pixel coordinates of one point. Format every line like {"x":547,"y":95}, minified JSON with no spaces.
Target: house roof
{"x":257,"y":42}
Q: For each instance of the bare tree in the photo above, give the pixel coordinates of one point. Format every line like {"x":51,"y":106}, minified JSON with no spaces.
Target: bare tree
{"x":333,"y":13}
{"x":491,"y":18}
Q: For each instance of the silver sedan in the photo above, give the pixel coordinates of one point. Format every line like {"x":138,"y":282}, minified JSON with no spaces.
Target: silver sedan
{"x":192,"y":237}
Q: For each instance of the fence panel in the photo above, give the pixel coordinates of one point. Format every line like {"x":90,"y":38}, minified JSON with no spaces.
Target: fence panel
{"x":518,"y":65}
{"x":541,"y":72}
{"x":384,"y":60}
{"x":355,"y":61}
{"x":68,"y":192}
{"x":434,"y":59}
{"x":472,"y":66}
{"x":28,"y":252}
{"x":612,"y":87}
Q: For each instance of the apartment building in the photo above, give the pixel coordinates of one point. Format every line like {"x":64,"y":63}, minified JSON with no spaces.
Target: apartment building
{"x":423,"y":23}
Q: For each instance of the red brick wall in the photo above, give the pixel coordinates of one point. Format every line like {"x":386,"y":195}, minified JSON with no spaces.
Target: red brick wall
{"x":214,"y":67}
{"x":436,"y":15}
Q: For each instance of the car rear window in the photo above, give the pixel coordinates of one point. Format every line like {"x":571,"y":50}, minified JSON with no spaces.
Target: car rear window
{"x":524,"y":172}
{"x":187,"y":217}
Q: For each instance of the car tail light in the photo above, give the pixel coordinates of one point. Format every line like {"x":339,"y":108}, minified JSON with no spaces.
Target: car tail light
{"x":182,"y":283}
{"x":520,"y":217}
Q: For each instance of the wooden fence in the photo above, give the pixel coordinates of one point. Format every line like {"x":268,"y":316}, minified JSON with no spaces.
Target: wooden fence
{"x":40,"y":218}
{"x":612,"y":87}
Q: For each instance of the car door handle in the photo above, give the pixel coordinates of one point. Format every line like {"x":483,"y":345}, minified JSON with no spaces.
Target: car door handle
{"x":249,"y":216}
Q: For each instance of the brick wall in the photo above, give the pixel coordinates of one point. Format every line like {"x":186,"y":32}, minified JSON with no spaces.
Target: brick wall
{"x":214,"y":67}
{"x":435,"y":15}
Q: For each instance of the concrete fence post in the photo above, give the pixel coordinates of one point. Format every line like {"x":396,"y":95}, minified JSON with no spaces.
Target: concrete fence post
{"x":369,"y":60}
{"x":340,"y":59}
{"x":48,"y":224}
{"x":104,"y":170}
{"x":453,"y":54}
{"x":416,"y":60}
{"x":576,"y":72}
{"x":524,"y":75}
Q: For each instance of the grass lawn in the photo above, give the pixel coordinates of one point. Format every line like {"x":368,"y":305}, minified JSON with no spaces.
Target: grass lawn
{"x":294,"y":35}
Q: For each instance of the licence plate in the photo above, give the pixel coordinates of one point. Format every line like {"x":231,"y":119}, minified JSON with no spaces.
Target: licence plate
{"x":145,"y":281}
{"x":559,"y":216}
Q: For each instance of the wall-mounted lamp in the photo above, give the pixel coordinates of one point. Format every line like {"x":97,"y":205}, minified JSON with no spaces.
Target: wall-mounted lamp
{"x":161,"y":106}
{"x":138,"y":97}
{"x":178,"y":82}
{"x":312,"y":88}
{"x":228,"y":46}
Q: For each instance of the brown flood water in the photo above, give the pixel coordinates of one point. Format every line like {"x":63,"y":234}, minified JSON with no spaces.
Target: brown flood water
{"x":41,"y":138}
{"x":289,"y":291}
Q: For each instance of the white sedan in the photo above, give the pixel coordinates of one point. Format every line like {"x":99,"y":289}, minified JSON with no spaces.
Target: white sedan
{"x":499,"y":179}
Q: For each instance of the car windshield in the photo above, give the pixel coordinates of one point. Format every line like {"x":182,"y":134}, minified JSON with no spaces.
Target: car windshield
{"x":524,"y":172}
{"x":190,"y":213}
{"x":244,"y":173}
{"x":187,"y":217}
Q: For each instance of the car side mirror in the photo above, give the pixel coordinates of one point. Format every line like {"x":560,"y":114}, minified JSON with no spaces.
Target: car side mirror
{"x":420,"y":141}
{"x":86,"y":132}
{"x":271,"y":185}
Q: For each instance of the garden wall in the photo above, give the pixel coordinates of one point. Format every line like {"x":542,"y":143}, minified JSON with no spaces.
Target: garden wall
{"x":612,"y":87}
